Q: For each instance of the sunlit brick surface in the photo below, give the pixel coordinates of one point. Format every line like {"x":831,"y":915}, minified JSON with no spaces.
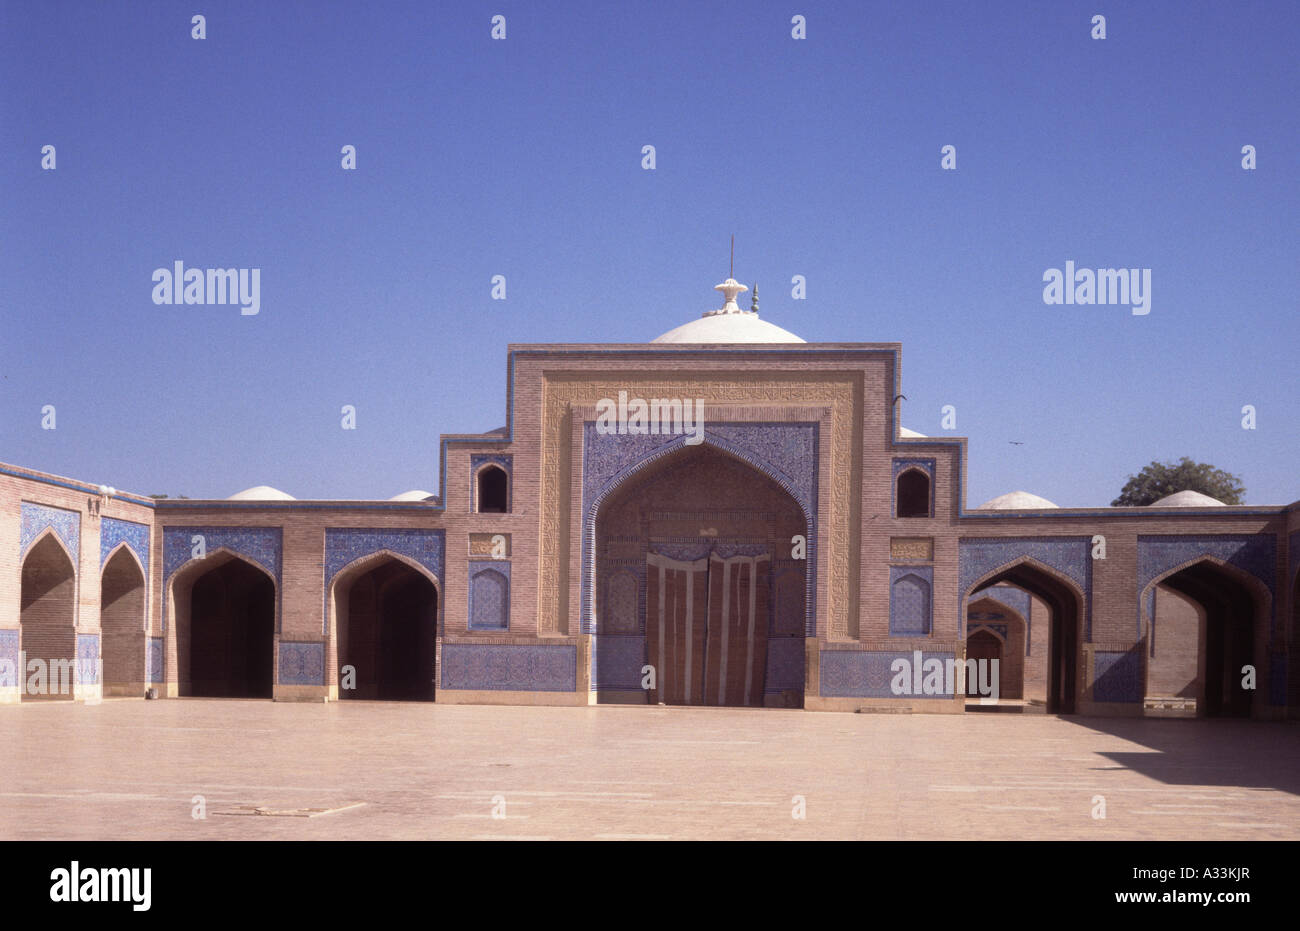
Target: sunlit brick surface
{"x":130,"y":769}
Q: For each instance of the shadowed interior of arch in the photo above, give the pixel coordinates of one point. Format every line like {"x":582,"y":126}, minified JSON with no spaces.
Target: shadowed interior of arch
{"x":1063,"y":629}
{"x":1215,"y":617}
{"x":229,"y":634}
{"x":386,"y":632}
{"x":47,"y":618}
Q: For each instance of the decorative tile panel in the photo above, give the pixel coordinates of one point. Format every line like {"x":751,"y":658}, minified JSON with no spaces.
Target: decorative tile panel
{"x":919,"y":548}
{"x":489,"y":595}
{"x":618,"y":661}
{"x":136,"y":536}
{"x":345,"y":545}
{"x":302,"y":663}
{"x":88,"y":659}
{"x":910,"y":600}
{"x":867,"y":674}
{"x":154,"y":660}
{"x":66,"y":524}
{"x":260,"y":545}
{"x":510,"y":668}
{"x":9,"y":671}
{"x":1117,"y":677}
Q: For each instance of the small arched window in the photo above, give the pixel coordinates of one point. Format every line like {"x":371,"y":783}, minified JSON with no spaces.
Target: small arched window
{"x":913,"y":494}
{"x":493,"y":493}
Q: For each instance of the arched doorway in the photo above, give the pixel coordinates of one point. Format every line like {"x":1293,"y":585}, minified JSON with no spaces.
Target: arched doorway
{"x":122,"y":624}
{"x":1204,"y":631}
{"x":1064,"y":605}
{"x":385,"y":627}
{"x":697,"y":577}
{"x":984,"y":647}
{"x":225,"y":628}
{"x":47,"y":618}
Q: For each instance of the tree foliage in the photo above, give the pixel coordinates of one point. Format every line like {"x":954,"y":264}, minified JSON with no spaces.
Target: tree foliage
{"x":1165,"y":478}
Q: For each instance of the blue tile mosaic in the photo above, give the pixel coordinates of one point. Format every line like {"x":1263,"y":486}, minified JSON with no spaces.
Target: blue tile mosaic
{"x":345,"y":545}
{"x":302,"y":663}
{"x":510,"y":668}
{"x":785,"y":452}
{"x":88,"y":659}
{"x":785,"y":664}
{"x":617,"y":660}
{"x":1255,"y":554}
{"x":261,"y":545}
{"x":155,"y":659}
{"x":489,"y":594}
{"x":909,"y":600}
{"x":136,"y":536}
{"x":1117,"y":676}
{"x":9,"y":673}
{"x":66,"y":524}
{"x":977,"y":557}
{"x":867,"y":674}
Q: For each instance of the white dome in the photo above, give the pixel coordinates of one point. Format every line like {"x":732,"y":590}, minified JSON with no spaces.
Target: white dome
{"x":261,"y":493}
{"x":1016,"y":501}
{"x":1187,"y":499}
{"x":414,"y":494}
{"x":903,"y":431}
{"x":744,"y":327}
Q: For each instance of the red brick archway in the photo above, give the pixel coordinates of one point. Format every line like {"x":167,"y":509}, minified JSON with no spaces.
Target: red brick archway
{"x":47,"y":618}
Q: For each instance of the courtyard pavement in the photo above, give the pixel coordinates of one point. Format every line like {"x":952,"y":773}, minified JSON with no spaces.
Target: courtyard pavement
{"x":131,"y":769}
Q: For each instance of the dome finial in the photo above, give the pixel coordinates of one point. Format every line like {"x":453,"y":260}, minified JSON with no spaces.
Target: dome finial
{"x":729,"y":288}
{"x":753,"y":300}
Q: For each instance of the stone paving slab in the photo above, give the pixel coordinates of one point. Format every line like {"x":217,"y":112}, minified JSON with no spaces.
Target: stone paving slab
{"x":131,"y":769}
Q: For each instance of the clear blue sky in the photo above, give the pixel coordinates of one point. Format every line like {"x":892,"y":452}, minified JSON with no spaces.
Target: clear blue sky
{"x":523,"y":158}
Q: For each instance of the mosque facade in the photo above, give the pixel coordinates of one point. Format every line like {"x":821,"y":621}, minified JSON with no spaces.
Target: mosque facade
{"x":726,"y":515}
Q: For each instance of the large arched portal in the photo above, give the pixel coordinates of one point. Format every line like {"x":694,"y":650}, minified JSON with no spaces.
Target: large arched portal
{"x":1064,"y":622}
{"x":696,"y":559}
{"x":225,"y":629}
{"x":47,"y":617}
{"x":1203,"y":634}
{"x":122,"y":623}
{"x":386,"y":624}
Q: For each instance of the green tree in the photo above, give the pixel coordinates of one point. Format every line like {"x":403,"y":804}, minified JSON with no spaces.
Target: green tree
{"x":1165,"y":478}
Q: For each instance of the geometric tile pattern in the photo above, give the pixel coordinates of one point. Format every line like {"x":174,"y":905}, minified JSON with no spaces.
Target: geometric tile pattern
{"x":10,"y":674}
{"x":154,"y":663}
{"x":36,"y":517}
{"x":510,"y":668}
{"x":88,"y":659}
{"x":1117,"y":676}
{"x":489,"y":595}
{"x":302,"y":663}
{"x":909,"y":600}
{"x":136,"y":536}
{"x":867,"y":674}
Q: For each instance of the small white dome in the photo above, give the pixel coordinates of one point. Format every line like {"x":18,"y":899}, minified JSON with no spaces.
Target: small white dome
{"x":1187,"y":499}
{"x":903,"y":431}
{"x":261,"y":493}
{"x":1016,"y":501}
{"x":414,"y":494}
{"x":744,"y":327}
